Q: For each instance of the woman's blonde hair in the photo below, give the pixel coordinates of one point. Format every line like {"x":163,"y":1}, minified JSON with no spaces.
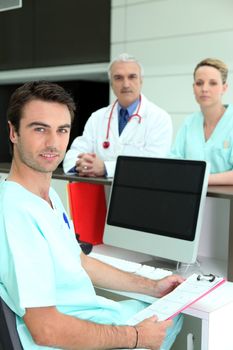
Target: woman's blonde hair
{"x":215,"y":63}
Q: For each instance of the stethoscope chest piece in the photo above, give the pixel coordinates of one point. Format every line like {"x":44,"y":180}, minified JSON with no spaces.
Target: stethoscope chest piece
{"x":106,"y":144}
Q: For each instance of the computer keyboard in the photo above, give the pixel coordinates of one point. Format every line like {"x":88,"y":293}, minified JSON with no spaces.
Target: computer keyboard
{"x":137,"y":268}
{"x":130,"y":266}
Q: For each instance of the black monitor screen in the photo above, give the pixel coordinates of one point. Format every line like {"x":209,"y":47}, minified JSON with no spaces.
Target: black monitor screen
{"x":157,"y":195}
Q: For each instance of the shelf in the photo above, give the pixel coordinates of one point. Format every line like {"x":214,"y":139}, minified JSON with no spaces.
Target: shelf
{"x":91,"y":72}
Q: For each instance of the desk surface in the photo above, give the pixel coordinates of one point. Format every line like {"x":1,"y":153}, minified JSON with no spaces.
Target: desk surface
{"x":213,"y":191}
{"x":60,"y":175}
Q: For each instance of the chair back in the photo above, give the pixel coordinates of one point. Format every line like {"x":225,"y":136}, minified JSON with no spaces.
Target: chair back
{"x":9,"y":338}
{"x":88,"y":210}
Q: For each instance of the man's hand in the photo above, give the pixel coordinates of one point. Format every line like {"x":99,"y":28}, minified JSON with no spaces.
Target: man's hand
{"x":167,"y":284}
{"x":88,"y":164}
{"x":151,"y":333}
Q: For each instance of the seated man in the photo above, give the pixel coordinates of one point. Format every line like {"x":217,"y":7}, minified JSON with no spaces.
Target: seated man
{"x":132,"y":125}
{"x":44,"y":277}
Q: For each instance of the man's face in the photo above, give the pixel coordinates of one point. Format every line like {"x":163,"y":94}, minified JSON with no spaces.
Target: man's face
{"x":43,"y":135}
{"x":126,"y":82}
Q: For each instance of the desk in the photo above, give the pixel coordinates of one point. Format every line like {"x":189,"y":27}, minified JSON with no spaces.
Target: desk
{"x":59,"y":175}
{"x":217,"y":192}
{"x":226,"y":192}
{"x":214,"y":310}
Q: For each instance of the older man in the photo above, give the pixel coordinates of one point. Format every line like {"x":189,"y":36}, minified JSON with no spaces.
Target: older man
{"x":132,"y":125}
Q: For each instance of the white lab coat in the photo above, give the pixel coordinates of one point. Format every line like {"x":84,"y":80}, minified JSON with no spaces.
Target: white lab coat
{"x":150,"y":138}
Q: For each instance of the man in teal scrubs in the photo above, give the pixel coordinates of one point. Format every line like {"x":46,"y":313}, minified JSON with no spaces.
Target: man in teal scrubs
{"x":44,"y":277}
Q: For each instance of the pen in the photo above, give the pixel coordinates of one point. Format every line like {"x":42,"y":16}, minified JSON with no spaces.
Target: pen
{"x":66,"y":220}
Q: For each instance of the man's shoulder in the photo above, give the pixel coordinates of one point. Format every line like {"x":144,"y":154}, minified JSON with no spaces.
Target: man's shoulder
{"x":8,"y":188}
{"x":12,"y":195}
{"x":100,"y":111}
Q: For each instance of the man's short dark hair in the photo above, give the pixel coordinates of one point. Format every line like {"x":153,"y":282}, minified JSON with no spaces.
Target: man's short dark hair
{"x":37,"y":90}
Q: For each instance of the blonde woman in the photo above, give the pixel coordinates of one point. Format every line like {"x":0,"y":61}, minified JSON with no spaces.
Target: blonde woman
{"x":208,"y":134}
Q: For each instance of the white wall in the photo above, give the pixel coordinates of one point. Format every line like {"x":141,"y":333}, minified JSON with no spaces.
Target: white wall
{"x":170,"y":37}
{"x":60,"y":187}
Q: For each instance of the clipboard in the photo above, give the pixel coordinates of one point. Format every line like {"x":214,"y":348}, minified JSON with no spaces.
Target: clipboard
{"x":187,"y":293}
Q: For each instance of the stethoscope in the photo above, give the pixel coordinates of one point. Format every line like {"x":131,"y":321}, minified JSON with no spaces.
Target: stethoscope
{"x":106,"y":143}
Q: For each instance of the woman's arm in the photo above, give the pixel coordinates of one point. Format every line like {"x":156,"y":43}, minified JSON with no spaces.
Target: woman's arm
{"x":225,"y":178}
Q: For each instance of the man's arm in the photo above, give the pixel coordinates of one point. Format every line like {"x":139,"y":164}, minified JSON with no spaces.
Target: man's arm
{"x":88,"y":164}
{"x":85,"y":143}
{"x":91,"y":165}
{"x":49,"y":327}
{"x":81,"y":144}
{"x":106,"y":276}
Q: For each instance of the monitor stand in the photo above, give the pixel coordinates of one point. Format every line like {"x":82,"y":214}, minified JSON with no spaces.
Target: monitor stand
{"x":161,"y":263}
{"x":187,"y":269}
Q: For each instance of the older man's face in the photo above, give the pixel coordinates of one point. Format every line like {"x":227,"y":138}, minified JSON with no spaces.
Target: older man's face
{"x":126,"y":82}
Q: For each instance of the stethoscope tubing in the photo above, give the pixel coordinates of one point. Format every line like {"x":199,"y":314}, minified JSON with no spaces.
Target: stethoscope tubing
{"x":106,"y":143}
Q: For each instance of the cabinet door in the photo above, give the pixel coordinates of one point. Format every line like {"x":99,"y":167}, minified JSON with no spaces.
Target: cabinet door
{"x":17,"y":37}
{"x":72,"y":32}
{"x":190,"y":335}
{"x":54,"y":33}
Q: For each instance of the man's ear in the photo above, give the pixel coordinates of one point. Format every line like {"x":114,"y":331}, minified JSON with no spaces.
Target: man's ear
{"x":12,"y":133}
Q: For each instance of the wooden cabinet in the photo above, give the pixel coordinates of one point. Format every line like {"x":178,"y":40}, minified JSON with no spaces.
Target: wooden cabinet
{"x":56,"y":32}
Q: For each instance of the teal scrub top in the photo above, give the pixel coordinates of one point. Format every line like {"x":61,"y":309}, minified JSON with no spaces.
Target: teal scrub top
{"x":40,"y":263}
{"x":190,"y":142}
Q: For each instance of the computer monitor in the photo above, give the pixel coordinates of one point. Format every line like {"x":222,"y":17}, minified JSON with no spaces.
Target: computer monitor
{"x":156,"y":206}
